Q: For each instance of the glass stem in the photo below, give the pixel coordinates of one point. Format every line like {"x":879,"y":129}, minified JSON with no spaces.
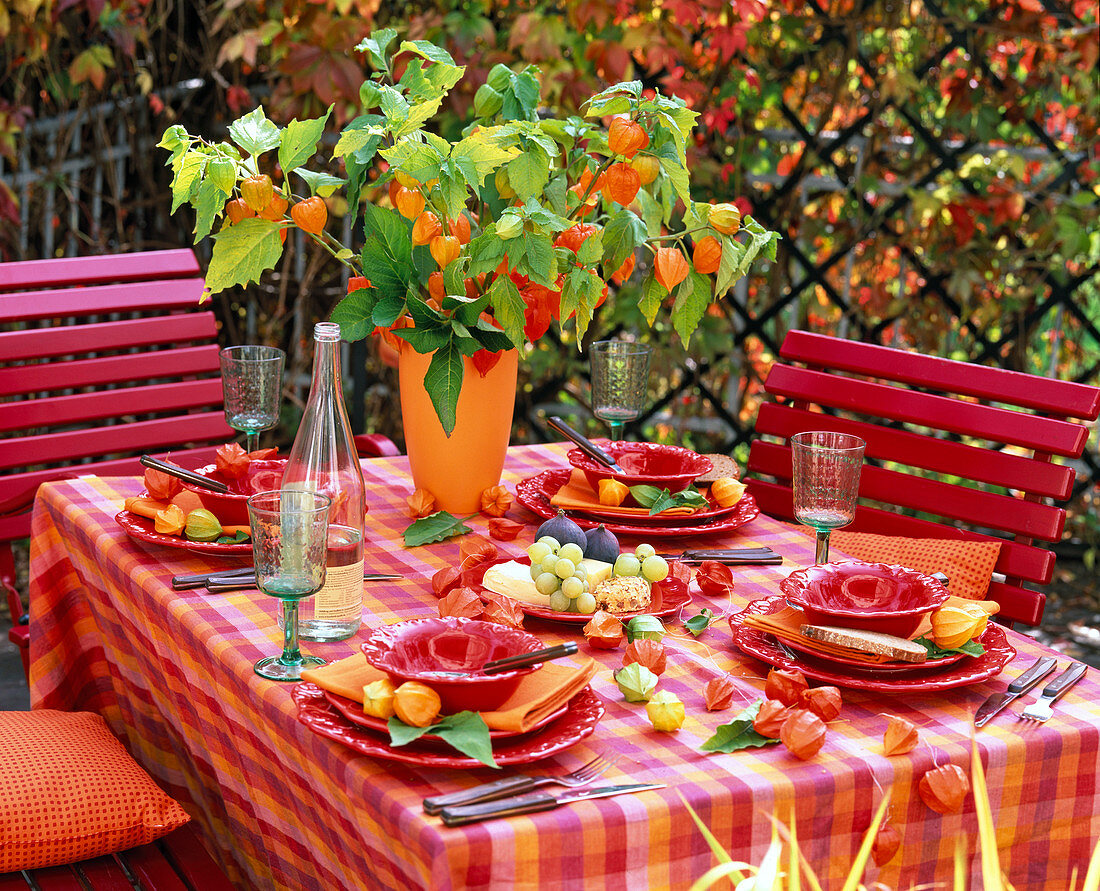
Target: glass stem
{"x":821,"y":555}
{"x":291,"y":654}
{"x":252,"y":440}
{"x":616,"y":430}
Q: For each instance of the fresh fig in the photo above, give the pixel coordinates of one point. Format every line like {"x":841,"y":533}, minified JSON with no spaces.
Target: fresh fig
{"x":602,"y":545}
{"x":563,"y":530}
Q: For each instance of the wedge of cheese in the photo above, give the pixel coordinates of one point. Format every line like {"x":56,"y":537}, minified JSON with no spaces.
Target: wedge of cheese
{"x":597,"y":570}
{"x":513,"y":579}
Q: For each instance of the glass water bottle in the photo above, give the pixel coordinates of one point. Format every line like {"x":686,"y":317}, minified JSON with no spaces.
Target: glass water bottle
{"x":323,"y":459}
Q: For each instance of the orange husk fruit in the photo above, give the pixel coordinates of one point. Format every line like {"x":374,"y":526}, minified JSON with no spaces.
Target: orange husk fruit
{"x":621,"y":183}
{"x":714,"y":579}
{"x":475,"y":549}
{"x":944,"y":789}
{"x":503,"y":529}
{"x":786,"y":685}
{"x":170,"y":521}
{"x":770,"y":718}
{"x":886,"y":844}
{"x":496,"y":500}
{"x":421,"y":503}
{"x":707,"y":255}
{"x":416,"y":704}
{"x":718,"y":694}
{"x":503,"y":611}
{"x":648,"y":653}
{"x":825,"y":702}
{"x":901,"y":736}
{"x":461,"y":602}
{"x":803,"y":733}
{"x":671,"y":267}
{"x":232,"y":461}
{"x":603,"y":631}
{"x":161,"y":486}
{"x":445,"y":579}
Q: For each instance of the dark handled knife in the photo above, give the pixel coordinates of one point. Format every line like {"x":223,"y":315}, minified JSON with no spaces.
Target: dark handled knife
{"x":586,"y":445}
{"x":1042,"y":667}
{"x":460,"y":815}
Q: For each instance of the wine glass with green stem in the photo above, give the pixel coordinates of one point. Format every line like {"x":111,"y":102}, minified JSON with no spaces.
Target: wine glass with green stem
{"x":252,"y":385}
{"x":289,"y":552}
{"x":620,"y":374}
{"x":826,"y":469}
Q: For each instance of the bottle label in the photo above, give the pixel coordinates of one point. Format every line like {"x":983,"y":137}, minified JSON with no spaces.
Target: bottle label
{"x":341,"y":599}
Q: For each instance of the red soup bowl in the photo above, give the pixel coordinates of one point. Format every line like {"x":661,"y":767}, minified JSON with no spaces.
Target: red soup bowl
{"x":231,"y":509}
{"x":644,"y":464}
{"x":447,"y":654}
{"x":865,"y":596}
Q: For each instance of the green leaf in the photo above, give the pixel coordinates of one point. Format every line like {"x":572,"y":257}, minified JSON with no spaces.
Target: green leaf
{"x":653,"y":295}
{"x":242,"y":253}
{"x":427,"y":50}
{"x":300,"y":140}
{"x":465,"y":731}
{"x":443,"y":382}
{"x":738,"y":733}
{"x":255,"y":133}
{"x":187,"y":178}
{"x":692,"y":299}
{"x":659,"y":500}
{"x":698,"y":624}
{"x":481,"y":154}
{"x":208,"y":202}
{"x":622,"y":235}
{"x":420,"y":160}
{"x":355,"y":314}
{"x":375,"y":45}
{"x":678,"y":175}
{"x":529,"y":172}
{"x":970,"y":648}
{"x":508,"y":307}
{"x":323,"y":184}
{"x":356,"y":141}
{"x":435,"y":527}
{"x":542,"y":265}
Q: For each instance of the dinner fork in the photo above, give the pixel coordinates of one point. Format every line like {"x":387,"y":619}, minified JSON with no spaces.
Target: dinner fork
{"x":510,"y":786}
{"x":1041,"y":710}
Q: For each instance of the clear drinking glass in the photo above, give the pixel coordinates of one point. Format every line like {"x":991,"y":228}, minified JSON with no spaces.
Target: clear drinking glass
{"x":252,"y":383}
{"x":289,"y":551}
{"x":826,"y":482}
{"x":620,"y":373}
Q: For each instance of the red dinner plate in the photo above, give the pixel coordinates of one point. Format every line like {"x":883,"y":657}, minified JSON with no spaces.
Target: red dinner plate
{"x":142,"y":529}
{"x":998,"y":653}
{"x":878,"y":668}
{"x":582,"y":714}
{"x":353,"y":711}
{"x":667,"y":599}
{"x":535,"y":493}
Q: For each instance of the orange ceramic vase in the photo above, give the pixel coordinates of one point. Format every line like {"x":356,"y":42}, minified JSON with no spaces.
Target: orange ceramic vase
{"x":457,"y":469}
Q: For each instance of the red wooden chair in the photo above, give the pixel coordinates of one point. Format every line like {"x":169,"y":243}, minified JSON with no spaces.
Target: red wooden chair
{"x":941,"y":445}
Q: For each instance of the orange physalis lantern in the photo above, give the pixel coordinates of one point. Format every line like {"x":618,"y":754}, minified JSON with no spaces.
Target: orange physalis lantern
{"x":170,"y":521}
{"x":409,"y":202}
{"x":444,"y":249}
{"x":786,"y":685}
{"x":626,"y":137}
{"x":886,"y":844}
{"x":436,"y":288}
{"x":671,"y":267}
{"x":726,"y":218}
{"x":944,"y":788}
{"x":647,"y":653}
{"x":648,"y":167}
{"x":625,"y":271}
{"x":445,"y":579}
{"x":238,"y":210}
{"x":714,"y":579}
{"x":231,"y":461}
{"x":161,"y":486}
{"x":460,"y":228}
{"x":803,"y":733}
{"x":824,"y":702}
{"x":426,"y":227}
{"x":504,"y":530}
{"x":503,"y":611}
{"x":576,"y":235}
{"x":461,"y":602}
{"x":496,"y":500}
{"x":707,"y":255}
{"x":257,"y":191}
{"x":900,"y":737}
{"x":770,"y":719}
{"x":718,"y":693}
{"x":475,"y":549}
{"x":621,"y":183}
{"x":276,"y":207}
{"x":310,"y":215}
{"x":604,"y":631}
{"x":421,"y":503}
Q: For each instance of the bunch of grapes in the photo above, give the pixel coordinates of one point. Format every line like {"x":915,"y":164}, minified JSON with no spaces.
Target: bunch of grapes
{"x":559,"y":575}
{"x":645,"y":561}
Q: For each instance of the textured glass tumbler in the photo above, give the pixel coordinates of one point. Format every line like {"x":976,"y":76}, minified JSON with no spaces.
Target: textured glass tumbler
{"x":620,"y":375}
{"x":826,"y":482}
{"x":289,"y":551}
{"x":252,"y":384}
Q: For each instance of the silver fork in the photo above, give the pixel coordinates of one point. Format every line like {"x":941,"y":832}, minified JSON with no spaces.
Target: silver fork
{"x":1040,"y":710}
{"x":510,"y":786}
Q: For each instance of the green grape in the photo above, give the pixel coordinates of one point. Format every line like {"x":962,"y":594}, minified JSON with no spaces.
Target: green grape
{"x":537,"y":551}
{"x":536,"y":570}
{"x":549,"y":562}
{"x":627,"y":564}
{"x":585,"y":604}
{"x":582,"y":572}
{"x":547,"y":583}
{"x":655,"y":568}
{"x":573,"y":587}
{"x":564,"y":568}
{"x":571,"y":551}
{"x":643,"y":551}
{"x":559,"y":603}
{"x":550,"y":542}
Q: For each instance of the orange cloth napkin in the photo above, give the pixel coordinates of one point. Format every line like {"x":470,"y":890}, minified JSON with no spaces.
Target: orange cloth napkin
{"x":576,"y":494}
{"x":786,"y":625}
{"x":538,"y":695}
{"x":967,"y":564}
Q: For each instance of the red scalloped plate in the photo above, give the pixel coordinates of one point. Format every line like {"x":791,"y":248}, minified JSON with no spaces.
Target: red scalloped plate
{"x":666,"y":600}
{"x":353,"y":711}
{"x":142,"y":529}
{"x":998,"y":653}
{"x":876,"y":668}
{"x":535,"y":493}
{"x":582,"y":714}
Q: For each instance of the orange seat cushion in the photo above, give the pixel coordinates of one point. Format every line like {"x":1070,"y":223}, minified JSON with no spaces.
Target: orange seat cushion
{"x":70,"y":791}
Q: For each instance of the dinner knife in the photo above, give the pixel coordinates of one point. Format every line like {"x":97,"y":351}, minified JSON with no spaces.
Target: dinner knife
{"x":534,"y":802}
{"x":222,"y":584}
{"x":586,"y":445}
{"x":1042,"y":667}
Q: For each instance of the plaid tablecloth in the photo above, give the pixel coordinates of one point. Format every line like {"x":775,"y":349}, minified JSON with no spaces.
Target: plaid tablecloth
{"x":172,"y":672}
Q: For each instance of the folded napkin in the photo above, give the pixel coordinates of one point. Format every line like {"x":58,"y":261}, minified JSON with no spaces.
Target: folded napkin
{"x":967,"y":564}
{"x":785,"y":625}
{"x":539,"y":694}
{"x":576,"y":494}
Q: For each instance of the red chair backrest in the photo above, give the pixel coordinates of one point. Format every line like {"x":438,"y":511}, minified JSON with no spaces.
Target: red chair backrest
{"x":929,"y":422}
{"x":102,"y":359}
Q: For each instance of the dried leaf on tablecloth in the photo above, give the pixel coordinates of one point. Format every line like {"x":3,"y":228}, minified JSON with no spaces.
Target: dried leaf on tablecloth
{"x":474,"y":550}
{"x":769,"y":720}
{"x":462,"y":603}
{"x":604,"y":631}
{"x":738,"y":733}
{"x":650,"y":653}
{"x":901,"y":736}
{"x":944,"y":788}
{"x":786,"y":684}
{"x":825,"y":702}
{"x":435,"y":527}
{"x":505,"y":530}
{"x":496,"y":500}
{"x":161,"y":486}
{"x":445,"y":579}
{"x":502,"y":610}
{"x":700,"y":623}
{"x":421,"y":504}
{"x":718,"y":693}
{"x":887,"y":842}
{"x":232,"y":461}
{"x":714,"y":579}
{"x":803,"y":733}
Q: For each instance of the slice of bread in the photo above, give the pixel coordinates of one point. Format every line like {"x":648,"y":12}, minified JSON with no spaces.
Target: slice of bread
{"x":897,"y":648}
{"x":724,"y":466}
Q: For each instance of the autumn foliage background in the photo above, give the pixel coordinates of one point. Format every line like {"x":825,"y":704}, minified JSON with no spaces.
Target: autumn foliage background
{"x":932,"y":166}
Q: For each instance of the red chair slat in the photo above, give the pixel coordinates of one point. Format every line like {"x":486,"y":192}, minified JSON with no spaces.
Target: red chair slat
{"x":26,"y":306}
{"x":184,"y":848}
{"x":1053,"y":397}
{"x":152,"y":870}
{"x":929,"y":410}
{"x":140,"y":266}
{"x":67,"y":410}
{"x":375,"y":445}
{"x":51,"y":878}
{"x":943,"y":456}
{"x":65,"y":340}
{"x":103,"y":874}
